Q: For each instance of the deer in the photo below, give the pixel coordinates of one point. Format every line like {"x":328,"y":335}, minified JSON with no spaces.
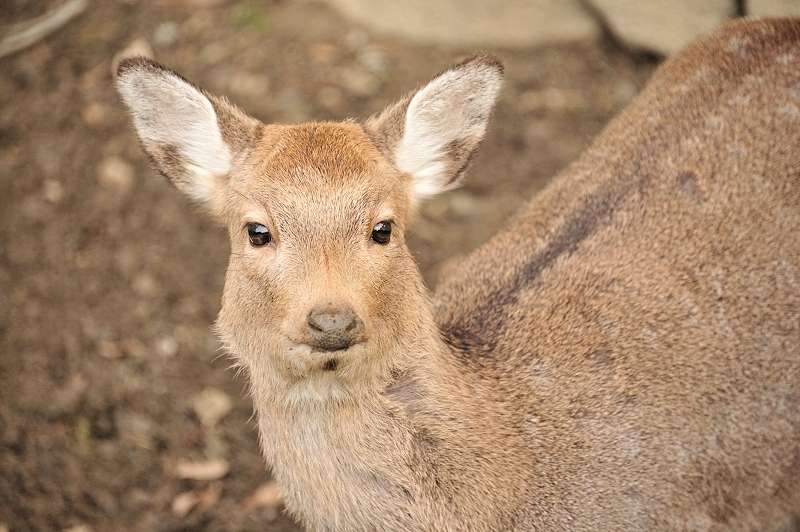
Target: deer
{"x":623,"y":355}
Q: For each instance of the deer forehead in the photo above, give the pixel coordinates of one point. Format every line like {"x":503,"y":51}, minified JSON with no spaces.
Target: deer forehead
{"x":312,"y":172}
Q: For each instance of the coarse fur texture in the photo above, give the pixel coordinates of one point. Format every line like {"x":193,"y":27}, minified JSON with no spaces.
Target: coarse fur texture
{"x":624,"y":356}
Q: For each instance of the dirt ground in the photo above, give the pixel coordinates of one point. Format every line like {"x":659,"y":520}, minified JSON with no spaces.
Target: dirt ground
{"x":110,"y":280}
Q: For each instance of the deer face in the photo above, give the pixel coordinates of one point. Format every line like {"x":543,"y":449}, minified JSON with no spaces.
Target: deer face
{"x":319,"y":271}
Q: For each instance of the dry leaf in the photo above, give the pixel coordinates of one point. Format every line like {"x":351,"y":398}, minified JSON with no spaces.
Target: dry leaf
{"x":210,"y":406}
{"x":183,"y":503}
{"x":266,"y":496}
{"x":204,"y":470}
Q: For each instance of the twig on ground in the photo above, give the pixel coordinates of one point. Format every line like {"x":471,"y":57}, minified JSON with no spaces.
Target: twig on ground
{"x":28,"y":33}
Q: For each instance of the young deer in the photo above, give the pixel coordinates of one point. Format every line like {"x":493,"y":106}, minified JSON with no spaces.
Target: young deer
{"x":624,"y":356}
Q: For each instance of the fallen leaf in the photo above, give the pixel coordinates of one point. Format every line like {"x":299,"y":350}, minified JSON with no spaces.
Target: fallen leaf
{"x":183,"y":503}
{"x":266,"y":496}
{"x":210,"y":406}
{"x":204,"y":470}
{"x":210,"y":496}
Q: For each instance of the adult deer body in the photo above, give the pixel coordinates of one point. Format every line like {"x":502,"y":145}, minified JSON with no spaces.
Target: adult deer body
{"x":624,"y":356}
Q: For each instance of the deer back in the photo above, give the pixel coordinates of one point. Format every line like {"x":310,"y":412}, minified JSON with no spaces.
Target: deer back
{"x":645,"y":307}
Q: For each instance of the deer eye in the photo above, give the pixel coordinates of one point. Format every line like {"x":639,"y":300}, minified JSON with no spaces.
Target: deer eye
{"x":382,"y":232}
{"x":258,"y":234}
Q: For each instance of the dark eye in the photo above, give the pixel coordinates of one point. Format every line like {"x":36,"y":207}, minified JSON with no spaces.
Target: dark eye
{"x":259,"y":234}
{"x":381,"y":232}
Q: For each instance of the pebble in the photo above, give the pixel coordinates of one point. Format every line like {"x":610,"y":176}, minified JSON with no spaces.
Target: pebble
{"x":374,"y":59}
{"x":167,"y":33}
{"x":53,"y":191}
{"x":109,"y":350}
{"x":248,"y":85}
{"x":462,"y":203}
{"x":117,"y":174}
{"x":331,"y":98}
{"x":79,"y":528}
{"x":266,"y":496}
{"x":183,"y":503}
{"x":203,"y":470}
{"x":323,"y":53}
{"x":134,"y":348}
{"x":211,"y":406}
{"x":359,"y":82}
{"x":213,"y":53}
{"x":94,"y":114}
{"x":356,"y":38}
{"x":167,"y":347}
{"x":35,"y":209}
{"x":551,"y":99}
{"x":66,"y":398}
{"x":145,"y":285}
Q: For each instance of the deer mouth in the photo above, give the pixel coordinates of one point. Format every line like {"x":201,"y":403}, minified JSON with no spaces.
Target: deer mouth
{"x":330,"y":365}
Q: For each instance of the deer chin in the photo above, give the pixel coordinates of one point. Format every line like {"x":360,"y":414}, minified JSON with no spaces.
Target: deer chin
{"x":315,"y":375}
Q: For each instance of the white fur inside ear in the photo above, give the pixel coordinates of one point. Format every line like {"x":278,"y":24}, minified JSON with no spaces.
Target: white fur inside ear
{"x":168,"y":111}
{"x":452,"y":110}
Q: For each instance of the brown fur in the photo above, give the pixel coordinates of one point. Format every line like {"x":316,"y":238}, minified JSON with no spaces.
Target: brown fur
{"x":624,"y":356}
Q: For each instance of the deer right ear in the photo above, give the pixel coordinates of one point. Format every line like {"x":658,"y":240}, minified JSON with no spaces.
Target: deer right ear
{"x":190,"y":136}
{"x":432,"y":134}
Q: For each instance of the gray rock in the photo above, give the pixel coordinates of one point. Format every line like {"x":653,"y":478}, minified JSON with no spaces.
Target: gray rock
{"x":474,"y":22}
{"x":662,"y":27}
{"x":772,"y":8}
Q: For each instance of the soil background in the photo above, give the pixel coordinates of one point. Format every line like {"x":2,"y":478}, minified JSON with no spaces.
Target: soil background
{"x":110,"y":280}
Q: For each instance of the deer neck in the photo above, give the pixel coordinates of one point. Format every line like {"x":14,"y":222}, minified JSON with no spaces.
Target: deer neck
{"x":391,"y":448}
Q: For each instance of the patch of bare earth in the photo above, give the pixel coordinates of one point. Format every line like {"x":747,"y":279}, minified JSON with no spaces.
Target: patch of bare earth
{"x":117,"y":409}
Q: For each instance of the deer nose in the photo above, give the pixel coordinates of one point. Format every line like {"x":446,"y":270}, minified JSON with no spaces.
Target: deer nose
{"x":332,"y":328}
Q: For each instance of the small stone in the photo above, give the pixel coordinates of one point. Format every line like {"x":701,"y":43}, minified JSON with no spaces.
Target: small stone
{"x":135,"y":428}
{"x":145,"y":285}
{"x":624,"y":92}
{"x":53,"y":191}
{"x":210,"y":496}
{"x":167,"y":347}
{"x":330,"y":98}
{"x":323,"y":53}
{"x":94,"y":114}
{"x":551,"y":99}
{"x":66,"y":398}
{"x":134,"y":348}
{"x":462,"y":204}
{"x":374,"y":59}
{"x":35,"y":209}
{"x":355,"y":39}
{"x":266,"y":496}
{"x":167,"y":33}
{"x":359,"y":82}
{"x":211,"y":406}
{"x":79,"y":528}
{"x":436,"y":209}
{"x":248,"y":85}
{"x":213,"y":53}
{"x":183,"y":503}
{"x":117,"y":174}
{"x":109,"y":350}
{"x":204,"y":470}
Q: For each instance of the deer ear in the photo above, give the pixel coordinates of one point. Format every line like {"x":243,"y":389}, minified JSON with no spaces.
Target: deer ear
{"x":191,"y":137}
{"x":433,"y":133}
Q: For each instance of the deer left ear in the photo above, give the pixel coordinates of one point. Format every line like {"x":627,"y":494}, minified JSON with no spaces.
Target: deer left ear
{"x":432,"y":134}
{"x":190,"y":136}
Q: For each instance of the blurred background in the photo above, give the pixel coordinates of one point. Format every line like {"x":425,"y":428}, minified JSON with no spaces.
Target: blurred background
{"x":117,"y":409}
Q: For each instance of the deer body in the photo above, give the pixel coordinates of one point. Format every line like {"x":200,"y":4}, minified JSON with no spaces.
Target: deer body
{"x":625,"y":355}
